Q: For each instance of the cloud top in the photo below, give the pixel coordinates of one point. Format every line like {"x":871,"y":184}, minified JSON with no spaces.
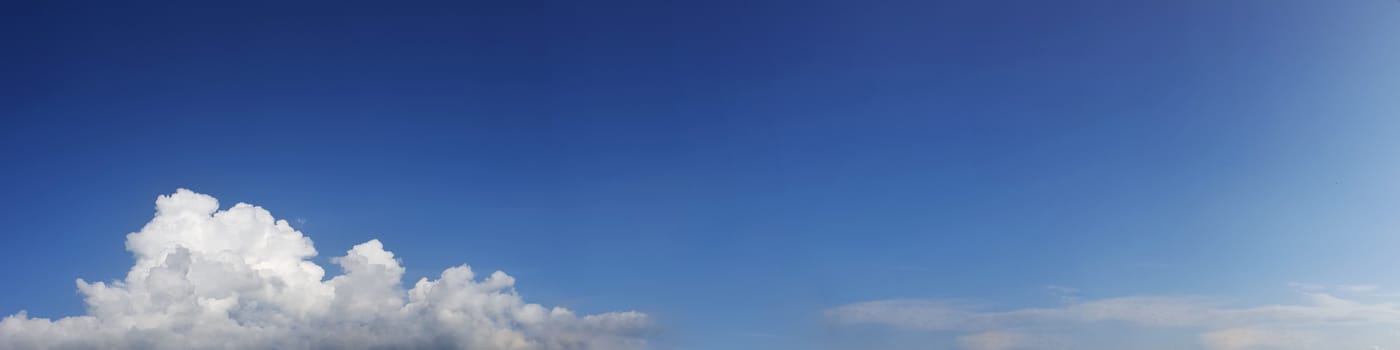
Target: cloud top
{"x":239,"y":278}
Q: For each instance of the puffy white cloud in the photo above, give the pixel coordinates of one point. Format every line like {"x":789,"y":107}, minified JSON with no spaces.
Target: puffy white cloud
{"x":238,"y":278}
{"x":1322,"y":321}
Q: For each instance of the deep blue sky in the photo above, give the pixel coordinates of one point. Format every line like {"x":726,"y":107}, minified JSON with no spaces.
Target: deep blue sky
{"x":733,"y":168}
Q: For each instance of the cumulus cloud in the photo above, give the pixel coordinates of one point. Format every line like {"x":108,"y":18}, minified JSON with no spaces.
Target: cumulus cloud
{"x":1321,"y":321}
{"x":238,"y":278}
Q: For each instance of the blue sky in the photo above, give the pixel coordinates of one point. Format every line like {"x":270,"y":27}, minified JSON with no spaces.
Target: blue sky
{"x":736,"y":170}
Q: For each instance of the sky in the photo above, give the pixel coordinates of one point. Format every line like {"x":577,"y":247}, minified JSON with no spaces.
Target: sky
{"x":977,"y":175}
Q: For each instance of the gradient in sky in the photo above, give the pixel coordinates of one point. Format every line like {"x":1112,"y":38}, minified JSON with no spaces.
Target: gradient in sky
{"x":981,"y":175}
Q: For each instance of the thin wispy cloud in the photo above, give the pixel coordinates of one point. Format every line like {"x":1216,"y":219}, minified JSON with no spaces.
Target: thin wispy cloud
{"x":1320,"y":319}
{"x":239,"y":278}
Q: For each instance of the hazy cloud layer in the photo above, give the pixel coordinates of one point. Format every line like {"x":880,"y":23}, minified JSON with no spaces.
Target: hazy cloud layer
{"x":238,"y":278}
{"x":1323,"y":321}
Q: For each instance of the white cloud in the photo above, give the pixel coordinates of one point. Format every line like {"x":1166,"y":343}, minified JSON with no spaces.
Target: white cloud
{"x":238,"y":278}
{"x":994,"y":340}
{"x":1251,"y":338}
{"x":1359,"y":288}
{"x":1322,"y":321}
